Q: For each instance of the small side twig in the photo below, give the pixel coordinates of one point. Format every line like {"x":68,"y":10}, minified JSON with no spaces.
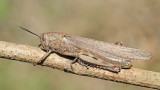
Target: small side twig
{"x":31,"y":55}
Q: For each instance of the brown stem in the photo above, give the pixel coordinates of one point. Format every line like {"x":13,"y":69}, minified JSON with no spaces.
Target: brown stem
{"x":31,"y":54}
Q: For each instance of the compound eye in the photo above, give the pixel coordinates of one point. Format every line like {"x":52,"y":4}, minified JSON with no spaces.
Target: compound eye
{"x":43,"y":37}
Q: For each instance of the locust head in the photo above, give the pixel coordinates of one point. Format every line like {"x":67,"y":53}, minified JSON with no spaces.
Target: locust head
{"x":43,"y":39}
{"x":49,"y":41}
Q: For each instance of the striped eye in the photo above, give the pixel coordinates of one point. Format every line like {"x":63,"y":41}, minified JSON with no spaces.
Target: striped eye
{"x":43,"y":37}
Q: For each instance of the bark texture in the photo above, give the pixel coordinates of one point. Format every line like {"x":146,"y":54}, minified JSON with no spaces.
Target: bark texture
{"x":31,"y":55}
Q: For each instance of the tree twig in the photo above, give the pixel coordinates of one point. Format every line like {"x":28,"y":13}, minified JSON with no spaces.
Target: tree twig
{"x":31,"y":54}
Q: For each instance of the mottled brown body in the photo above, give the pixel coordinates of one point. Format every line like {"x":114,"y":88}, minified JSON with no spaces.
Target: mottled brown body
{"x":90,"y":52}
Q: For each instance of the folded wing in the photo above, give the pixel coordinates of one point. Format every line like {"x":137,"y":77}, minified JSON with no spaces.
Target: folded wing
{"x":105,"y":49}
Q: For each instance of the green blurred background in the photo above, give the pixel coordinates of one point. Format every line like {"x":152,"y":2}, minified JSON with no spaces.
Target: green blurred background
{"x":134,"y":22}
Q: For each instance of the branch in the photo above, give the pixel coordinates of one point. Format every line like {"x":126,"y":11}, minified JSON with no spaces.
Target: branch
{"x":31,"y":55}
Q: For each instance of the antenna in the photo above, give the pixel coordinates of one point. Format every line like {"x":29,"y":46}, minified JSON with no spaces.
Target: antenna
{"x":28,"y":31}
